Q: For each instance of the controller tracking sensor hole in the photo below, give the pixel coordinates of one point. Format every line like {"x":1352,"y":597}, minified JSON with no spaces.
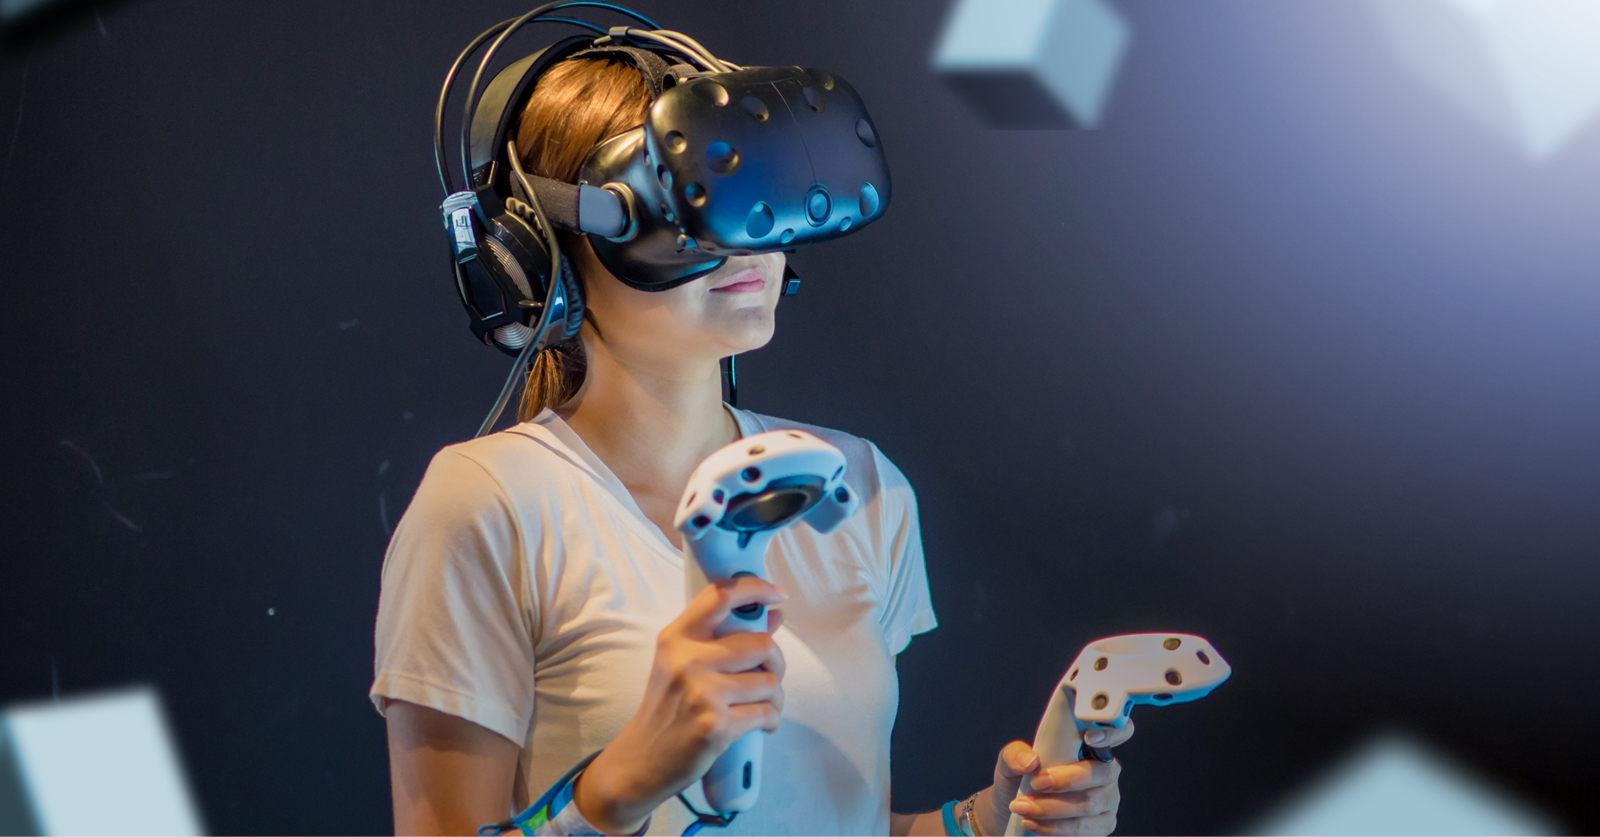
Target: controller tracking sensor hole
{"x":1100,"y":664}
{"x":1171,"y":643}
{"x":1174,"y":677}
{"x":1203,"y":658}
{"x":1100,"y":701}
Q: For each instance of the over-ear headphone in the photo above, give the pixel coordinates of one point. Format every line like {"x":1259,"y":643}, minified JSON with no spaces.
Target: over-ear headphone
{"x":729,"y":161}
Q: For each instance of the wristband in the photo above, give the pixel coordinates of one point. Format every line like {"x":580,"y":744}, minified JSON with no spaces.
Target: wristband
{"x":553,"y":814}
{"x":950,"y":827}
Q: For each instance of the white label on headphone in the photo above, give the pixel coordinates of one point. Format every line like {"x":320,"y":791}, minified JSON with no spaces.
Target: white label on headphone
{"x":461,"y":222}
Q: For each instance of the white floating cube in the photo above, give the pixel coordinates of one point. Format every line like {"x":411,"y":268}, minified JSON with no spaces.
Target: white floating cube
{"x":92,"y":765}
{"x":1033,"y":63}
{"x":1395,"y":786}
{"x":1529,"y":69}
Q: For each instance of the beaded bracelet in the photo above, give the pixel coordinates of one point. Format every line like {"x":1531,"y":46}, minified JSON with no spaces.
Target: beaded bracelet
{"x":966,"y":814}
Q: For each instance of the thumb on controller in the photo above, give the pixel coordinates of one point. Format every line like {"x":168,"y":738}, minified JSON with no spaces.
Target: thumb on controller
{"x":1016,"y":761}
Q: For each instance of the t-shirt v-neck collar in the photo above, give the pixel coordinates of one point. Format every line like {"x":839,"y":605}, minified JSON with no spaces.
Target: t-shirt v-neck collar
{"x":580,"y":455}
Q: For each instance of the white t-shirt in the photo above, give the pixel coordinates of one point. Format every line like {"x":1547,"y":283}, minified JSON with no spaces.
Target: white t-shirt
{"x":524,"y":588}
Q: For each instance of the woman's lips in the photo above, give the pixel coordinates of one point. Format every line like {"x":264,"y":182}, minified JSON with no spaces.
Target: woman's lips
{"x":743,"y":282}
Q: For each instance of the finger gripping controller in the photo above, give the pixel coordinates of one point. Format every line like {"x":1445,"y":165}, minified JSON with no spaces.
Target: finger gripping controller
{"x":1111,"y":676}
{"x":736,"y":500}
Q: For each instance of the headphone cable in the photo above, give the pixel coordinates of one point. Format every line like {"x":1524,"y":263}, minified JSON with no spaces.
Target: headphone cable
{"x":488,"y":56}
{"x":450,"y":77}
{"x":520,"y":367}
{"x":539,"y":14}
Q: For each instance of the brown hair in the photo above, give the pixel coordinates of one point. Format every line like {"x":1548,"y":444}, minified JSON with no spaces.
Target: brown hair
{"x":576,"y":105}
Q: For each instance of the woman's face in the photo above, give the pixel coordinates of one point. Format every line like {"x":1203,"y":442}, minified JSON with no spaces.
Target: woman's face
{"x":727,"y":311}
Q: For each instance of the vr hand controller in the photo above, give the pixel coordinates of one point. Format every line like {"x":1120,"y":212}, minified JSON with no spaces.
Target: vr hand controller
{"x":736,"y":500}
{"x":1109,"y":678}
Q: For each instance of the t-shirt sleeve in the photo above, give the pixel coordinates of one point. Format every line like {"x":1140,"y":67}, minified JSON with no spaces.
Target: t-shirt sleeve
{"x":455,"y":614}
{"x":908,"y":608}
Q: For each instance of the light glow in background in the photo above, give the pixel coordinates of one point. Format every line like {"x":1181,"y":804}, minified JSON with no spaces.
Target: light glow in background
{"x":1529,"y":69}
{"x":1404,"y":203}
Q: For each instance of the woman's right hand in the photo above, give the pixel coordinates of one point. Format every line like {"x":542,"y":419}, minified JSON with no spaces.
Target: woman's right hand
{"x":703,"y":694}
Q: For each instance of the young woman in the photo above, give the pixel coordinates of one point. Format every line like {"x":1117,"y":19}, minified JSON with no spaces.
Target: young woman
{"x":533,"y":609}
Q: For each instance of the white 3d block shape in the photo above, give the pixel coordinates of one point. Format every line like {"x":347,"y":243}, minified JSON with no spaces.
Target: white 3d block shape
{"x":1528,"y":68}
{"x":1394,"y":786}
{"x":92,"y":765}
{"x":1033,"y":63}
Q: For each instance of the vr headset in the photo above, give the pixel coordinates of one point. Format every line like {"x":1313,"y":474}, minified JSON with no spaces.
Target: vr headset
{"x":730,"y":161}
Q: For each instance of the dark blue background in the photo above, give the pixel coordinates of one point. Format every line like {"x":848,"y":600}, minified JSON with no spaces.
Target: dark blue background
{"x":1293,"y":354}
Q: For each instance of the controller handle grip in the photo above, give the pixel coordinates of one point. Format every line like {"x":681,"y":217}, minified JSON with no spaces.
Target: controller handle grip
{"x":733,"y":781}
{"x":1058,"y":741}
{"x":735,"y":502}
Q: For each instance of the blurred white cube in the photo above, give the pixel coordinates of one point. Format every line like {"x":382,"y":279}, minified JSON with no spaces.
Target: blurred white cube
{"x":1033,"y":63}
{"x":100,"y":764}
{"x":1394,"y":785}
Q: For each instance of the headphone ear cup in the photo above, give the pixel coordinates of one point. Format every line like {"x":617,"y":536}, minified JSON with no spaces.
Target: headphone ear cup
{"x":574,"y":292}
{"x":518,"y":257}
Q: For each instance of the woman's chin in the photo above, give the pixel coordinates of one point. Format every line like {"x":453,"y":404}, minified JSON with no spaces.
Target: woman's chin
{"x":749,"y":334}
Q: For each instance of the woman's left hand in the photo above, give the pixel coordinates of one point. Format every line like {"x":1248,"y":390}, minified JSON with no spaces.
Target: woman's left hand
{"x":1079,"y":798}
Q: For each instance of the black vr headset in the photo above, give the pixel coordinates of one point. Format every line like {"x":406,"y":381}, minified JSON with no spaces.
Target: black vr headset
{"x":730,"y":161}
